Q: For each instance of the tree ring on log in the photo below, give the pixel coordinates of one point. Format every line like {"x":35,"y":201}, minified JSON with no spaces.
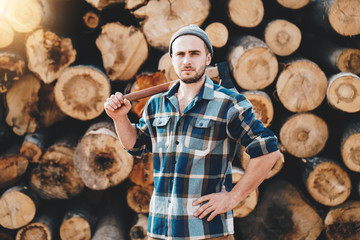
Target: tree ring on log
{"x":344,"y":17}
{"x":343,"y":92}
{"x":304,"y":135}
{"x":350,"y":152}
{"x":16,"y":210}
{"x":248,"y":13}
{"x":75,"y":228}
{"x":329,"y":184}
{"x":34,"y":230}
{"x":349,"y":61}
{"x":80,"y":92}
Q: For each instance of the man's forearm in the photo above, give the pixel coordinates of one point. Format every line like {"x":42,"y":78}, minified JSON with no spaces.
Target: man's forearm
{"x":255,"y":173}
{"x":126,"y":132}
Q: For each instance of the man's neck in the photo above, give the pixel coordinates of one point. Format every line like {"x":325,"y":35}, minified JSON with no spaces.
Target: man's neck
{"x":190,"y":90}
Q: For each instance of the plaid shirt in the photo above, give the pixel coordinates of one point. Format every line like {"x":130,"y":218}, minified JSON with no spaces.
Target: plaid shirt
{"x":192,"y":156}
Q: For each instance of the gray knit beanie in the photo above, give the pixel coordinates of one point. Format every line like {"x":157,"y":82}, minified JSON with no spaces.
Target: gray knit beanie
{"x":192,"y":29}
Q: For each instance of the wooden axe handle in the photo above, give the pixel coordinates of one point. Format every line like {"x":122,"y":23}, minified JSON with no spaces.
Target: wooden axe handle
{"x":212,"y":72}
{"x":147,"y":92}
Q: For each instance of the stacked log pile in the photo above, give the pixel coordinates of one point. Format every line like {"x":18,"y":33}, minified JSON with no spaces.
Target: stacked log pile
{"x":63,"y":172}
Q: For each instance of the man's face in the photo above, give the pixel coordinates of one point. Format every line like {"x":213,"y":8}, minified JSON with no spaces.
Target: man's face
{"x":190,"y":58}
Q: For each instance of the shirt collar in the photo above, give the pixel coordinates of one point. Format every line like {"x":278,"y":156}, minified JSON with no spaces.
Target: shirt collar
{"x":206,"y":92}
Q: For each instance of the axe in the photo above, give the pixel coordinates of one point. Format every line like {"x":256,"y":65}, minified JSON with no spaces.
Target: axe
{"x":220,"y":70}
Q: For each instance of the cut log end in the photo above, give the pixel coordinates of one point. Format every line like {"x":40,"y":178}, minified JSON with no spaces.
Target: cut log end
{"x":16,"y":210}
{"x":304,"y":135}
{"x":48,"y":54}
{"x":23,"y":15}
{"x":282,"y":37}
{"x":11,"y":69}
{"x":256,"y":69}
{"x":301,"y":86}
{"x":247,"y":13}
{"x":328,"y":184}
{"x":343,"y":222}
{"x":344,"y":17}
{"x":349,"y":61}
{"x":6,"y":34}
{"x":138,"y":198}
{"x":350,"y":152}
{"x":35,"y":230}
{"x":343,"y":92}
{"x":91,"y":20}
{"x":293,"y":4}
{"x":218,"y":34}
{"x":262,"y":105}
{"x":75,"y":228}
{"x":81,"y":91}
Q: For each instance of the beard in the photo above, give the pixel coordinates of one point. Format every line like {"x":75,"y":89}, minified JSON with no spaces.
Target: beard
{"x":196,"y":78}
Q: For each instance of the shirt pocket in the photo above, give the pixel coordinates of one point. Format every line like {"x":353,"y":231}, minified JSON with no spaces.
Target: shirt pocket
{"x":200,"y":134}
{"x":162,"y":129}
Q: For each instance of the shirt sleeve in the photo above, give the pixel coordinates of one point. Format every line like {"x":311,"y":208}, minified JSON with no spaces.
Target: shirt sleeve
{"x":143,"y":139}
{"x":242,"y":126}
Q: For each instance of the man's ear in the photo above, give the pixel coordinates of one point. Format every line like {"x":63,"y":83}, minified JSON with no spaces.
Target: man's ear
{"x":208,"y":59}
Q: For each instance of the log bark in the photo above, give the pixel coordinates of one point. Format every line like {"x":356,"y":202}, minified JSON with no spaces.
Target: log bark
{"x":164,"y":18}
{"x":304,"y":135}
{"x":326,"y":181}
{"x":12,"y":166}
{"x":77,"y":222}
{"x":34,"y":145}
{"x":22,"y":101}
{"x":48,"y":54}
{"x":293,"y":4}
{"x":44,"y":226}
{"x":6,"y":33}
{"x":100,"y":158}
{"x":282,"y":37}
{"x":350,"y":146}
{"x":282,"y":213}
{"x":80,"y":92}
{"x":12,"y":67}
{"x":142,"y":172}
{"x":343,"y":92}
{"x":332,"y":56}
{"x":218,"y":34}
{"x":138,"y":198}
{"x":110,"y":225}
{"x":18,"y":206}
{"x":262,"y":106}
{"x":253,"y":65}
{"x":139,"y":230}
{"x":245,"y":159}
{"x":123,"y":49}
{"x":55,"y":177}
{"x":49,"y":111}
{"x":301,"y":86}
{"x":248,"y":13}
{"x":343,"y":222}
{"x":23,"y":15}
{"x":340,"y":16}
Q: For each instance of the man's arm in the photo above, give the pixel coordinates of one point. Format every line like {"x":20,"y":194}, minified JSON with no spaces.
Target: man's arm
{"x":255,"y":173}
{"x":117,"y":108}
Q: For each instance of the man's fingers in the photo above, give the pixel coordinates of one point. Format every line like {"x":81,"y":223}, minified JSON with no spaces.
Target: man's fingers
{"x":212,"y":215}
{"x":201,"y":199}
{"x":206,"y":212}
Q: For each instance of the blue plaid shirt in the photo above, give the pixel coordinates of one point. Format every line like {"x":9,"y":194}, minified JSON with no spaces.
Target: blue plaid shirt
{"x":192,"y":156}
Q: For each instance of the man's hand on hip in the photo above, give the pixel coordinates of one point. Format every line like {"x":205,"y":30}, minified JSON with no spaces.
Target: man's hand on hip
{"x":216,"y":203}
